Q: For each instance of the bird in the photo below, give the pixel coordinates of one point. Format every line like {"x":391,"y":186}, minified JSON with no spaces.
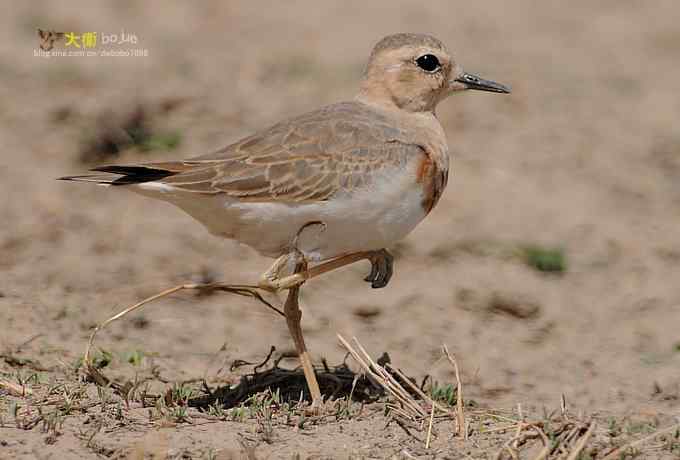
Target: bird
{"x":332,"y":186}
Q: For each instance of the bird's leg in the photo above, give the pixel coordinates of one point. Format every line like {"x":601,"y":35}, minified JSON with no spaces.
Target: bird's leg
{"x":293,"y":316}
{"x":381,"y":270}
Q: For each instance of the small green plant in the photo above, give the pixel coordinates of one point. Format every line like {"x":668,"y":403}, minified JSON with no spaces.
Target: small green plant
{"x":169,"y":411}
{"x":179,"y":395}
{"x":13,"y":409}
{"x":444,"y":393}
{"x":119,"y":411}
{"x":210,"y":454}
{"x":549,"y":260}
{"x":613,"y":427}
{"x":134,"y":357}
{"x":104,"y":395}
{"x":238,"y":414}
{"x":216,"y":409}
{"x":343,"y":409}
{"x":160,"y":141}
{"x":671,"y":442}
{"x":640,"y":427}
{"x":51,"y":425}
{"x":264,"y":420}
{"x":259,"y":401}
{"x":179,"y":414}
{"x":101,"y":359}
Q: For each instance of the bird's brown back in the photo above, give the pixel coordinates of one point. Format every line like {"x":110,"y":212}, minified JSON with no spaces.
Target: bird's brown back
{"x":336,"y":149}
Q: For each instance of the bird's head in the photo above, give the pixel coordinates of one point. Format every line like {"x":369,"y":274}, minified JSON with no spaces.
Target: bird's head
{"x":415,"y":72}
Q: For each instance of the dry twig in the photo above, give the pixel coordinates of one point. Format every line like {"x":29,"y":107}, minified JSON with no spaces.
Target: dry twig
{"x":460,"y":419}
{"x":617,"y":453}
{"x":417,"y":390}
{"x":581,"y":443}
{"x":384,"y":378}
{"x":429,"y":429}
{"x":15,"y":389}
{"x":519,"y":425}
{"x":242,"y":290}
{"x":543,"y":454}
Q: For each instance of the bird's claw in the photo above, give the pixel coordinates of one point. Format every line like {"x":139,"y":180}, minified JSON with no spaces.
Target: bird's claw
{"x":382,"y":264}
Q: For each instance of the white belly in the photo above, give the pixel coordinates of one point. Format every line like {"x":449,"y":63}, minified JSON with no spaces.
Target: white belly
{"x":373,"y":218}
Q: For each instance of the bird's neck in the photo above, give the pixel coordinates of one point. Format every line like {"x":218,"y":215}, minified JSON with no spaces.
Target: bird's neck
{"x":381,"y":102}
{"x":390,"y":96}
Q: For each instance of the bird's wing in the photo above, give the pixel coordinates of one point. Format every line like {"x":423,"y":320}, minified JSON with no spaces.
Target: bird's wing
{"x":310,"y":158}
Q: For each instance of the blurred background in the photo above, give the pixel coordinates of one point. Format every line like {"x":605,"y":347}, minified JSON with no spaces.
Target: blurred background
{"x":551,"y":265}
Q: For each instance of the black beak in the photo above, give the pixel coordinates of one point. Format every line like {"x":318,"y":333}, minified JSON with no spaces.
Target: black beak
{"x":474,"y":82}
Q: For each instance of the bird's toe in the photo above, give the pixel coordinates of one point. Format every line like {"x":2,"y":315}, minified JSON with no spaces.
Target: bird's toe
{"x":381,"y":269}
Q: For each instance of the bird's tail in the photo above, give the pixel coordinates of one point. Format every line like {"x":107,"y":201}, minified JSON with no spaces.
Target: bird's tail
{"x":126,"y":174}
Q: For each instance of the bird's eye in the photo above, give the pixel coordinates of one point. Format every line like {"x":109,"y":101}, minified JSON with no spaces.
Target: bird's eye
{"x":428,"y":62}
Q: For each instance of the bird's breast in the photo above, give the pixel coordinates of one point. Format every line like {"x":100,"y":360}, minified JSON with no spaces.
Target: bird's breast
{"x":432,"y":176}
{"x":432,"y":172}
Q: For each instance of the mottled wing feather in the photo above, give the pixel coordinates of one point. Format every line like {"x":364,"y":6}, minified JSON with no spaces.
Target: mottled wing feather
{"x":337,"y":149}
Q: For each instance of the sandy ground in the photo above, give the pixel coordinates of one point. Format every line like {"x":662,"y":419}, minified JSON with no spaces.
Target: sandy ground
{"x":583,"y":156}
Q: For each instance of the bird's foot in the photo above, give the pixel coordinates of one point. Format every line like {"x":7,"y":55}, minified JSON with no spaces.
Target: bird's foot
{"x":382,"y":263}
{"x":272,"y":280}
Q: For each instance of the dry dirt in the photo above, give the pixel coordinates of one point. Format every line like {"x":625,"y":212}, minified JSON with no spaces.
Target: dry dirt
{"x":583,"y":157}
